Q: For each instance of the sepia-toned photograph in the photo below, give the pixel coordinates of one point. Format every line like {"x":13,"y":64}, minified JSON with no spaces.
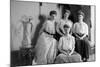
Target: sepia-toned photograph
{"x":43,"y":33}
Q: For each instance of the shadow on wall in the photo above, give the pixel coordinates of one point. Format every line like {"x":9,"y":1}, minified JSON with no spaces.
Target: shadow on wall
{"x":42,"y":19}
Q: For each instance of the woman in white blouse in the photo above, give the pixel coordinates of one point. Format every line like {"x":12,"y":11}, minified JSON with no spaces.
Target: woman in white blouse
{"x":60,"y":29}
{"x":45,"y":49}
{"x":80,"y":30}
{"x":66,"y":47}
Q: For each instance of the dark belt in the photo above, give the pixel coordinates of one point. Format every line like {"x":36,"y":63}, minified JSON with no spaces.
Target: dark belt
{"x":80,"y":34}
{"x":48,"y":33}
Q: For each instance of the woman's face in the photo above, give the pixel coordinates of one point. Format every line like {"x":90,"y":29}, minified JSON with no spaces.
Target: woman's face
{"x":80,"y":17}
{"x":53,"y":16}
{"x":67,"y":30}
{"x":66,"y":15}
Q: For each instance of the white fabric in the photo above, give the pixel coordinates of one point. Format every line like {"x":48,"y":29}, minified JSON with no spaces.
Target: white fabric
{"x":80,"y":28}
{"x":68,"y":22}
{"x":50,"y":26}
{"x":66,"y":43}
{"x":46,"y":46}
{"x":26,"y":42}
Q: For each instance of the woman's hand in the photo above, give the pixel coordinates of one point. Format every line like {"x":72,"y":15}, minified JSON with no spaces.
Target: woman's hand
{"x":70,"y":53}
{"x":64,"y":52}
{"x":67,"y":52}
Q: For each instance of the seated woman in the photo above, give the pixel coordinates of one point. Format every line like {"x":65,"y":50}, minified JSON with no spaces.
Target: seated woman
{"x":80,"y":31}
{"x":66,"y":47}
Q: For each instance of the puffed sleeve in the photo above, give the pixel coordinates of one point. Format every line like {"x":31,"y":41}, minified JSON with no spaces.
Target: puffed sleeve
{"x":86,"y":29}
{"x":60,"y":43}
{"x":73,"y":28}
{"x":71,"y":23}
{"x":73,"y":46}
{"x":57,"y":26}
{"x":61,"y":24}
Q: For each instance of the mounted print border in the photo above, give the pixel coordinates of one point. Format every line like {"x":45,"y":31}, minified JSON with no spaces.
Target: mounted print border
{"x":51,"y":33}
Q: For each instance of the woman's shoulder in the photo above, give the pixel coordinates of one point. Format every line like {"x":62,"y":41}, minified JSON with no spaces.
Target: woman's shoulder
{"x":48,"y":20}
{"x":70,"y":21}
{"x":76,"y":23}
{"x":61,"y":38}
{"x":84,"y":23}
{"x":62,"y":20}
{"x":72,"y":37}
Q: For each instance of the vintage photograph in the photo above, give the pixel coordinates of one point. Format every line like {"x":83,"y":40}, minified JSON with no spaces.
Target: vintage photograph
{"x":44,"y":33}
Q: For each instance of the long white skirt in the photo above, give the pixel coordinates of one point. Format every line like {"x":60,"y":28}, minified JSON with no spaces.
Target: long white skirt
{"x":45,"y":49}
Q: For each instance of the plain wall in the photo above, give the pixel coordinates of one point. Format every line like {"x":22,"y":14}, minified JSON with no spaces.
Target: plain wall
{"x":20,"y":8}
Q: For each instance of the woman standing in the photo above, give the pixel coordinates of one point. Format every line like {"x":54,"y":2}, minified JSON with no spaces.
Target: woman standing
{"x":59,"y":28}
{"x":46,"y":45}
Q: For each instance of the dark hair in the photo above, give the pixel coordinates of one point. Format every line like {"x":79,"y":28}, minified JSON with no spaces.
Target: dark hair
{"x":66,"y":26}
{"x":53,"y":12}
{"x":81,"y":13}
{"x":66,"y":10}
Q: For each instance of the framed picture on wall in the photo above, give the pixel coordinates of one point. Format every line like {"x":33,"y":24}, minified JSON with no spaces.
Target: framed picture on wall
{"x":51,"y":33}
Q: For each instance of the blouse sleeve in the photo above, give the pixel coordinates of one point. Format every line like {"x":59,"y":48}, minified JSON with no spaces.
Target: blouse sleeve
{"x":86,"y":29}
{"x":71,"y":23}
{"x":73,"y":46}
{"x":57,"y":26}
{"x":60,"y":43}
{"x":73,"y":28}
{"x":61,"y":24}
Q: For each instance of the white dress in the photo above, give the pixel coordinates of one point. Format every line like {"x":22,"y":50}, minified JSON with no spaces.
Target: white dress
{"x":46,"y":45}
{"x":66,"y":45}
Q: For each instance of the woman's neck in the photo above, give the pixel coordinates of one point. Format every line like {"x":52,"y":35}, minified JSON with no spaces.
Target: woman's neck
{"x":66,"y":19}
{"x":81,"y":21}
{"x":67,"y":34}
{"x":52,"y":20}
